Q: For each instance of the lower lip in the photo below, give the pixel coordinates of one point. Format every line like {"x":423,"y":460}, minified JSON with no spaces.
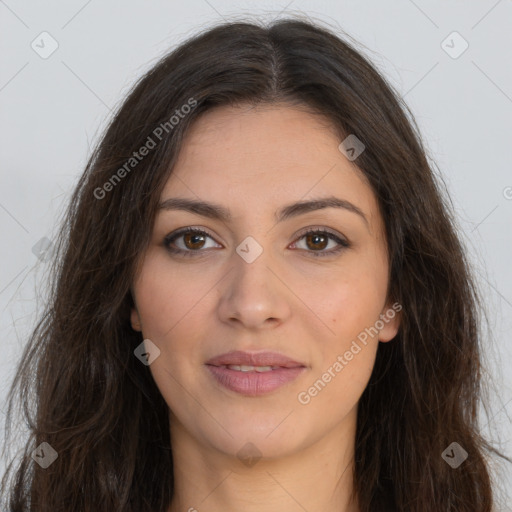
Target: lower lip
{"x":254,"y":383}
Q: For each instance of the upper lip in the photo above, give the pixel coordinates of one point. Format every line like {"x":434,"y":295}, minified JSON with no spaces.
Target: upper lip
{"x":240,"y":358}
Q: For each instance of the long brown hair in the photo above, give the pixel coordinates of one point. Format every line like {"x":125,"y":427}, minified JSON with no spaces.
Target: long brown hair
{"x":98,"y":407}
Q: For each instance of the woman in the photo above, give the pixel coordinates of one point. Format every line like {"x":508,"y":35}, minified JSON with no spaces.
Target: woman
{"x":260,"y":301}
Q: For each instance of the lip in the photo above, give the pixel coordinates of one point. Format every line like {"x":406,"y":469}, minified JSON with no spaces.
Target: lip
{"x":254,"y":359}
{"x":253,"y":383}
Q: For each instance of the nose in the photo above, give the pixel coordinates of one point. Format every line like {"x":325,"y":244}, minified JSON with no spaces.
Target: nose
{"x":255,"y":294}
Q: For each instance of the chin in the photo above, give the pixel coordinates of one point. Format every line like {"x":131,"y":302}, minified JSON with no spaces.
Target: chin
{"x":249,"y":441}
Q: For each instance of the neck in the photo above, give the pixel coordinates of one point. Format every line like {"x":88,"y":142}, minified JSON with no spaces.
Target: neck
{"x":318,"y":477}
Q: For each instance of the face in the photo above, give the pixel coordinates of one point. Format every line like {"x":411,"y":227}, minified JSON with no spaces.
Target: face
{"x":260,"y":281}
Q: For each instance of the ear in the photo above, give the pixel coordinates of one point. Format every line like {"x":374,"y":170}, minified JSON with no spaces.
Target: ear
{"x":135,"y":319}
{"x":390,"y":316}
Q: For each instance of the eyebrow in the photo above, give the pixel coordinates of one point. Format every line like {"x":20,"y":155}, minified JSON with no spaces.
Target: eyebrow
{"x":218,"y":212}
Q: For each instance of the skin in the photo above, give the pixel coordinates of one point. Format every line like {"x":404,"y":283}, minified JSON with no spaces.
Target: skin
{"x":254,"y":161}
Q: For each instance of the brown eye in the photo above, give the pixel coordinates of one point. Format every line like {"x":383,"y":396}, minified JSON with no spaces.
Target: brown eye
{"x":318,"y":239}
{"x":196,"y":240}
{"x":193,"y":240}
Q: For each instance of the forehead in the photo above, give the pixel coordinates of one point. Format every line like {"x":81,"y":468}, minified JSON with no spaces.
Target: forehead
{"x":252,"y":158}
{"x":265,"y":130}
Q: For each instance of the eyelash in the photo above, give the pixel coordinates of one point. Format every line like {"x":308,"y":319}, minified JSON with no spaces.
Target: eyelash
{"x":343,"y":244}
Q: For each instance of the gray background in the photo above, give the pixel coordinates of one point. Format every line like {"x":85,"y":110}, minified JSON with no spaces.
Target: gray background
{"x":54,"y":108}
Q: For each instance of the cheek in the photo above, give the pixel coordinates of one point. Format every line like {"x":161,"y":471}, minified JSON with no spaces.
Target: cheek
{"x":169,"y":303}
{"x":350,"y":306}
{"x":350,"y":300}
{"x":346,"y":356}
{"x":166,"y":298}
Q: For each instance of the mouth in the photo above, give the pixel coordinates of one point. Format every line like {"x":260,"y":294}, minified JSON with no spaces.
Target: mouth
{"x":245,"y":360}
{"x":253,"y":374}
{"x":249,"y":368}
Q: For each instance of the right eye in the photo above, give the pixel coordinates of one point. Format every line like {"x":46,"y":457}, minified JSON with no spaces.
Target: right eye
{"x":191,"y":236}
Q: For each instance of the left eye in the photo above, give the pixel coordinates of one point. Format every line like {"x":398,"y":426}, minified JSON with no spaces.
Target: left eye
{"x":319,"y":238}
{"x":193,"y":239}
